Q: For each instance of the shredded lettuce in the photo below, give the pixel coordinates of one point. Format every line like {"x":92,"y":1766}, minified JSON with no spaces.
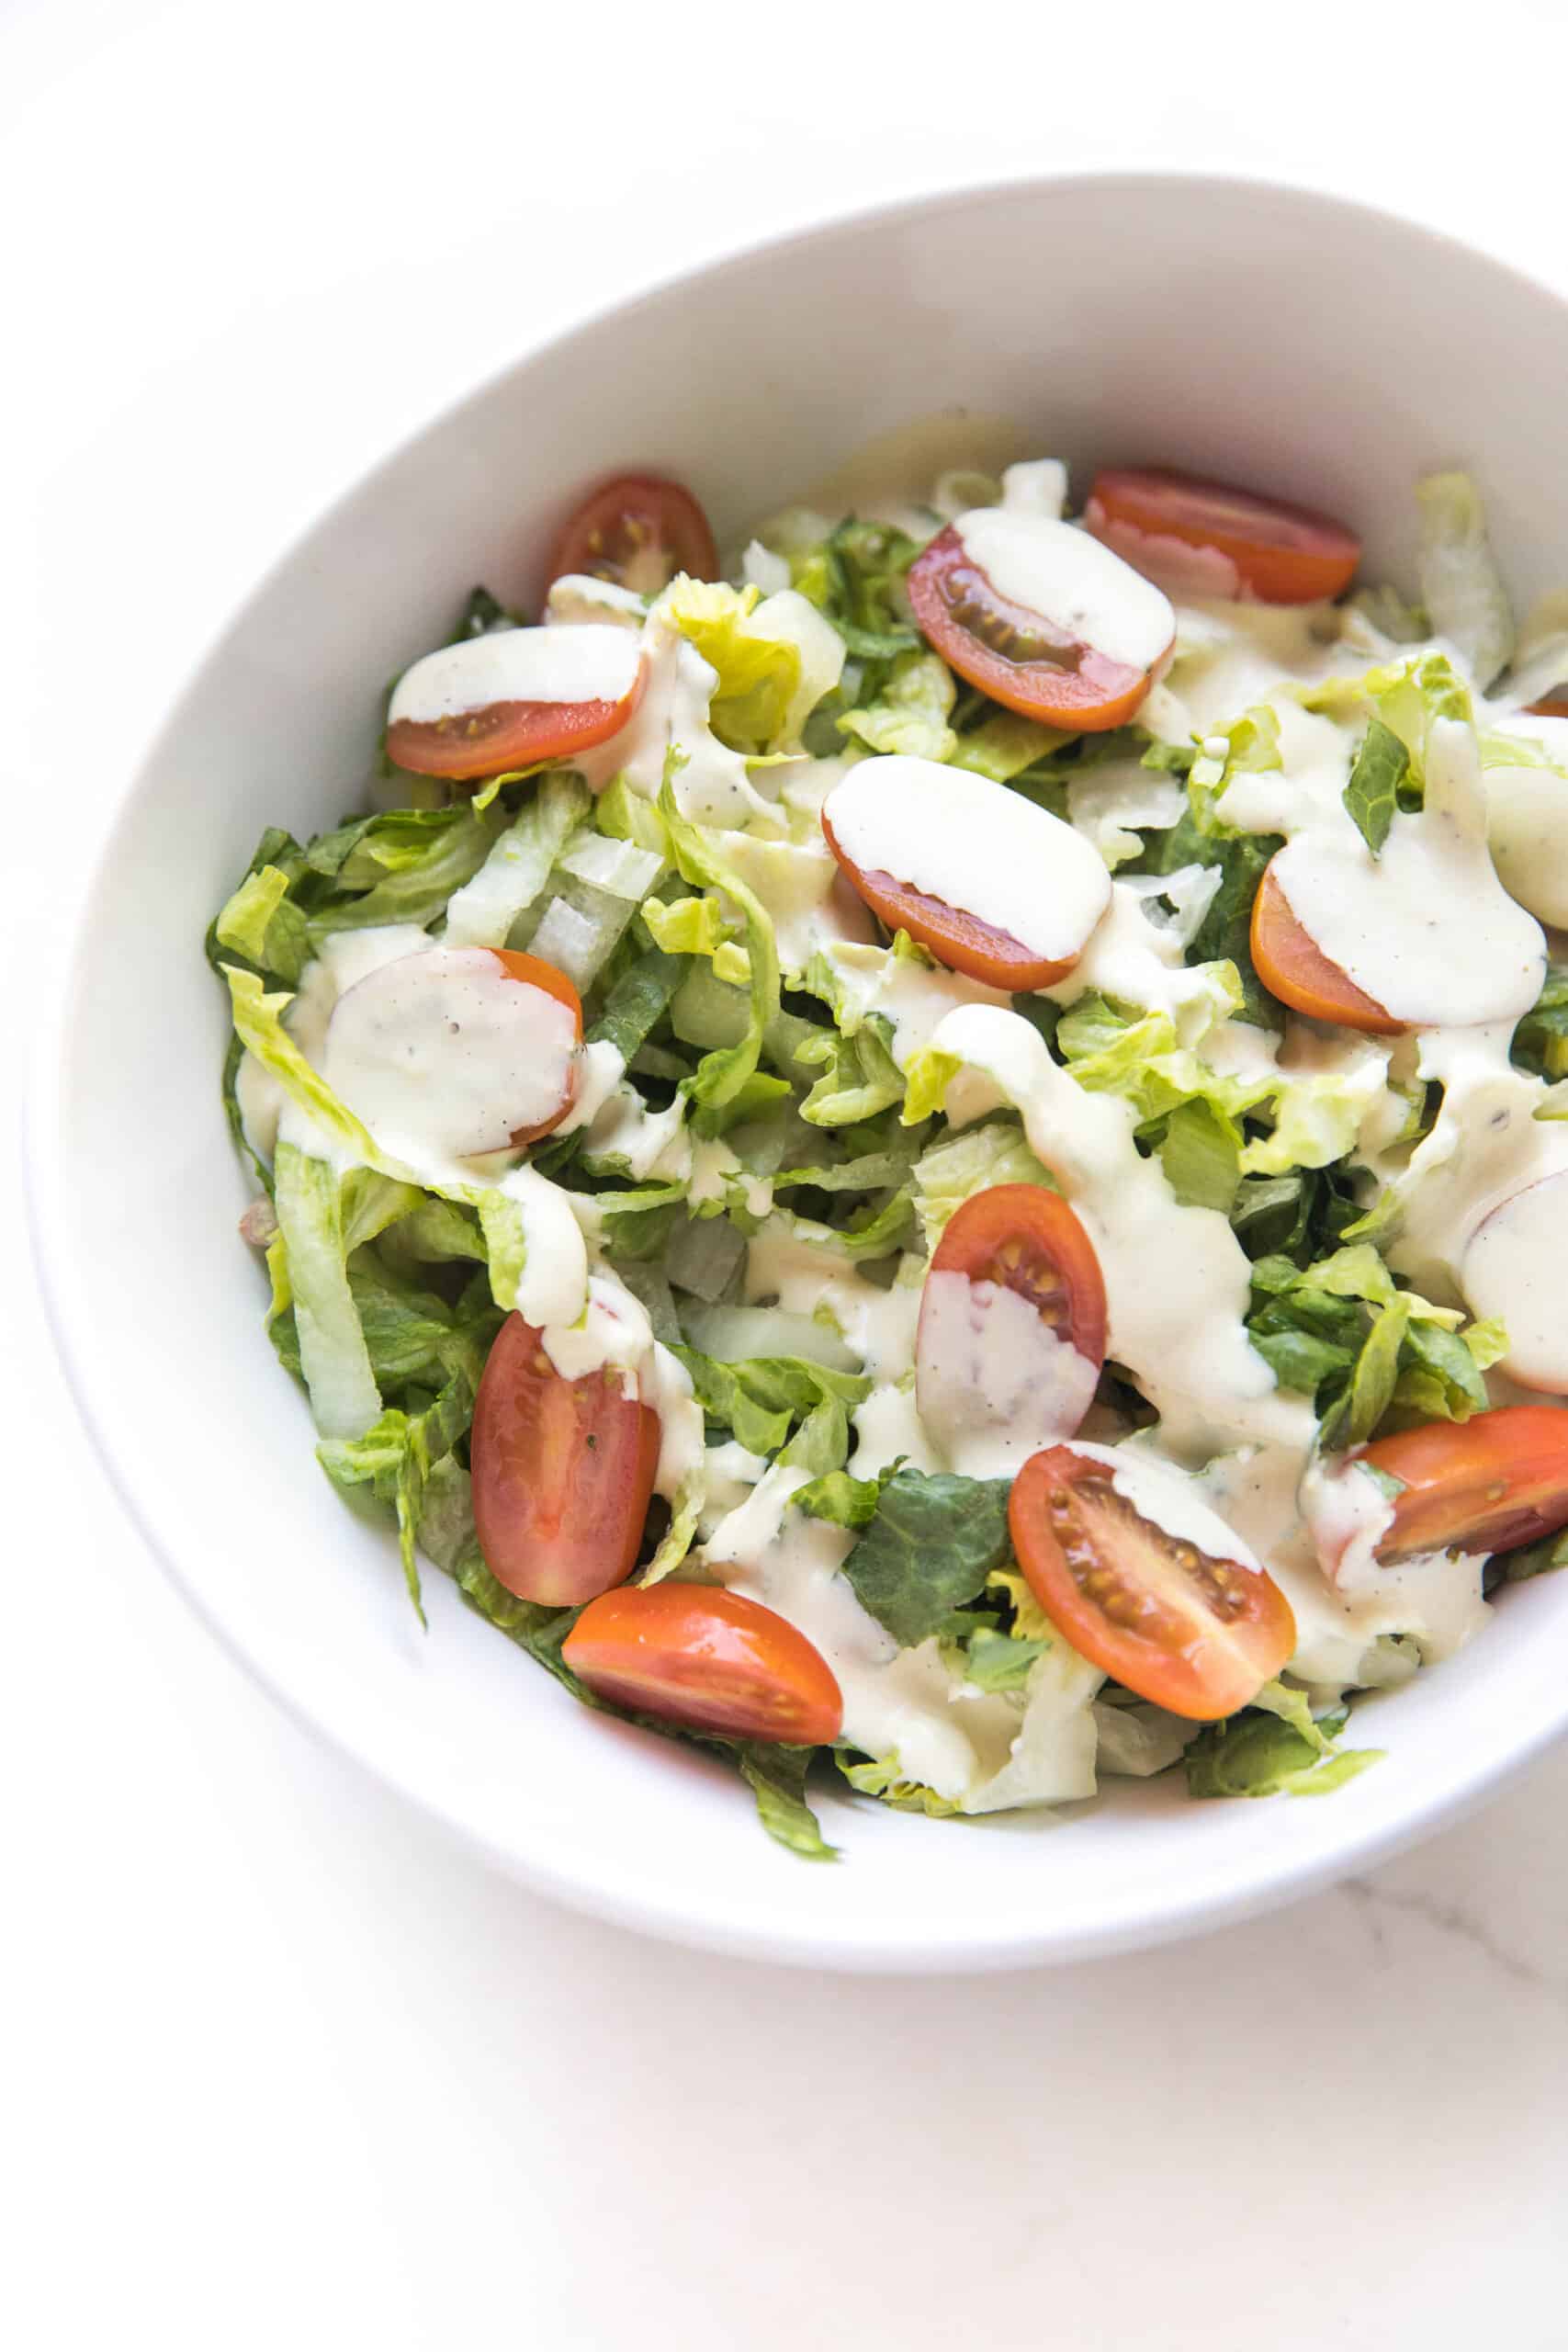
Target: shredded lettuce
{"x":722,"y":1074}
{"x":1258,"y":1754}
{"x":912,"y":715}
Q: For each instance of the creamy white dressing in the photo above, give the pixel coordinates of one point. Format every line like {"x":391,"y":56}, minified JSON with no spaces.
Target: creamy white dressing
{"x":590,"y":664}
{"x":445,"y":1049}
{"x":1424,"y":928}
{"x":1177,"y":1278}
{"x":1516,"y":1268}
{"x":995,"y":1383}
{"x":1526,"y":831}
{"x":577,"y":599}
{"x":712,"y":785}
{"x":1116,"y":801}
{"x":1070,"y":580}
{"x":974,"y":844}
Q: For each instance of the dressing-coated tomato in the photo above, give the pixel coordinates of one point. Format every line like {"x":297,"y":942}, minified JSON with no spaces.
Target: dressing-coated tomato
{"x":498,"y":736}
{"x":965,"y":942}
{"x":638,"y":532}
{"x":1260,"y":548}
{"x":1027,"y":1240}
{"x":563,"y":1471}
{"x":1294,"y":968}
{"x":694,"y":1653}
{"x":1194,"y":1631}
{"x":1486,"y":1484}
{"x":1030,"y":660}
{"x":535,"y":973}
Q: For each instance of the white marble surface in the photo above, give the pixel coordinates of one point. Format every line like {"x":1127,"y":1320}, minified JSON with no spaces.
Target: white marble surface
{"x":283,"y":2066}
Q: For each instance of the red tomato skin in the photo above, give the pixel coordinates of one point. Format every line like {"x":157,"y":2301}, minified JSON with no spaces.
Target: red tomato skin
{"x":1123,"y":1628}
{"x":502,"y":735}
{"x":1283,"y":555}
{"x":631,"y":516}
{"x":713,"y":1660}
{"x":1294,"y":968}
{"x":1031,"y":1240}
{"x":533,"y":972}
{"x":956,"y":938}
{"x":563,"y":1472}
{"x":1501,"y":1476}
{"x":1086,"y":691}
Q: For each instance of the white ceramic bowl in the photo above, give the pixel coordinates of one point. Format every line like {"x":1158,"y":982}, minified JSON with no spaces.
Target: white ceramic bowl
{"x":1305,"y":345}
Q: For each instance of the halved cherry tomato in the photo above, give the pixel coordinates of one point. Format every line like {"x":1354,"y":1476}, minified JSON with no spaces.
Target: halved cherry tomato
{"x":694,"y":1653}
{"x":955,"y":937}
{"x":638,"y":532}
{"x":1281,"y":555}
{"x":1486,"y":1484}
{"x":1194,"y":1632}
{"x":502,"y":735}
{"x":562,"y":1472}
{"x":535,"y":973}
{"x":1294,"y":968}
{"x":1027,"y":1240}
{"x":1018,"y":657}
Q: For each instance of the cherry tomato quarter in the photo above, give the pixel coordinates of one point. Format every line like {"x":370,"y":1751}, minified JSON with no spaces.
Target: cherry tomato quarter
{"x":713,"y":1660}
{"x":563,"y":1472}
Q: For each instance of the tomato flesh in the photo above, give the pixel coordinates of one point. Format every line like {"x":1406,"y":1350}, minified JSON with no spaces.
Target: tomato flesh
{"x":639,"y":532}
{"x":1294,"y":968}
{"x":535,"y":973}
{"x":563,"y":1472}
{"x":956,"y":938}
{"x":1278,"y":554}
{"x":1486,"y":1484}
{"x":696,"y":1655}
{"x":1018,"y":657}
{"x":1194,"y":1632}
{"x":502,"y":735}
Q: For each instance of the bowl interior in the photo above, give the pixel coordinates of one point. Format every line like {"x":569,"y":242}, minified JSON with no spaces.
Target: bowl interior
{"x":1220,"y":326}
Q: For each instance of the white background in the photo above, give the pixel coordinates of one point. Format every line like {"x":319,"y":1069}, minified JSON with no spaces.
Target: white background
{"x":280,"y":2067}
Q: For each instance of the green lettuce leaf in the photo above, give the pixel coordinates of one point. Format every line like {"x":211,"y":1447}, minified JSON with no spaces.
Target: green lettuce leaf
{"x":345,"y":1399}
{"x":929,"y":1548}
{"x":1541,"y":1041}
{"x":776,"y":1777}
{"x":262,"y":923}
{"x":1257,"y":1754}
{"x":761,"y":1400}
{"x":912,"y":715}
{"x":949,"y":1171}
{"x":1371,"y":796}
{"x":884,"y":1776}
{"x":409,"y":880}
{"x":723,"y":1072}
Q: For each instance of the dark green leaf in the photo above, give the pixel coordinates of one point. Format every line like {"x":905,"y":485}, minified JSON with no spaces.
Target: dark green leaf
{"x":929,"y":1550}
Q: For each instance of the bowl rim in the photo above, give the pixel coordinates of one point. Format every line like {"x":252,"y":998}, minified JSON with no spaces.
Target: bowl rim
{"x":1194,"y":1911}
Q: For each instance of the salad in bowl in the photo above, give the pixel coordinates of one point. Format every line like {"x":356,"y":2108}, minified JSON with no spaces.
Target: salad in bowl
{"x":945,"y":1148}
